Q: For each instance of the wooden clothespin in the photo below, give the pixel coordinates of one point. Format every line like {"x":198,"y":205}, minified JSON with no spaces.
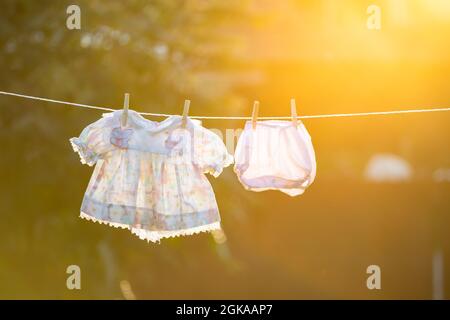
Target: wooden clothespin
{"x":126,"y":105}
{"x":255,"y":113}
{"x":294,"y":112}
{"x":187,"y":103}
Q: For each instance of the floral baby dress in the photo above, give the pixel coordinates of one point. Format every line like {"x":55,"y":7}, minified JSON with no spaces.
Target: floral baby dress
{"x":149,"y":176}
{"x":275,"y":155}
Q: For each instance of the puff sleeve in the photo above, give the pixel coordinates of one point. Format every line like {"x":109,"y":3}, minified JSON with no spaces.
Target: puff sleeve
{"x":93,"y":142}
{"x":210,"y":153}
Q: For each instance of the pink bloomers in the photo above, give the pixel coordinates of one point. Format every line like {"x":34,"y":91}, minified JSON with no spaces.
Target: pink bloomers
{"x":276,"y":155}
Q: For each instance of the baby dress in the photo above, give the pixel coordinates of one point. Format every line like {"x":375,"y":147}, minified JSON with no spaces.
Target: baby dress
{"x":276,"y":155}
{"x":149,"y":176}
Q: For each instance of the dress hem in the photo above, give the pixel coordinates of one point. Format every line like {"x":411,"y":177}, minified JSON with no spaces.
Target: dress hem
{"x":156,"y":236}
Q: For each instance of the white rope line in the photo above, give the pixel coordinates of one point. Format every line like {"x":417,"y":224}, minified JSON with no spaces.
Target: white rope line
{"x":335,"y":115}
{"x":55,"y":101}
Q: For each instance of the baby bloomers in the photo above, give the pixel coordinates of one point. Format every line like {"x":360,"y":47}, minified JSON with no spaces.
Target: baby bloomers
{"x":275,"y":155}
{"x":149,"y":176}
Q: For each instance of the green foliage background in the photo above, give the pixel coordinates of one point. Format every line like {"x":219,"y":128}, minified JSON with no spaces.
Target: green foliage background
{"x":222,"y":55}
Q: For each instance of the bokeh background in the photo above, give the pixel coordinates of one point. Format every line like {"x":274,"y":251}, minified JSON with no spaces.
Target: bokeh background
{"x":382,"y":190}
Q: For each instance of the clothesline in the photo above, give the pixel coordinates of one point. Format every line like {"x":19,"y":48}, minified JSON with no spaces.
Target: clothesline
{"x":335,"y":115}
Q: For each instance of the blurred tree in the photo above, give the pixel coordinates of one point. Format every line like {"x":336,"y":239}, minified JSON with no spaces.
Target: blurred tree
{"x":160,"y":51}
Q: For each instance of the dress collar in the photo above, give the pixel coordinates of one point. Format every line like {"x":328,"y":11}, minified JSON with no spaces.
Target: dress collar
{"x":136,"y":119}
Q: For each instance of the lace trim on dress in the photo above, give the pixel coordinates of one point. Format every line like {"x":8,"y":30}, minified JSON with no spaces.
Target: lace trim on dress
{"x":155,"y":236}
{"x":87,"y":156}
{"x":217,"y":170}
